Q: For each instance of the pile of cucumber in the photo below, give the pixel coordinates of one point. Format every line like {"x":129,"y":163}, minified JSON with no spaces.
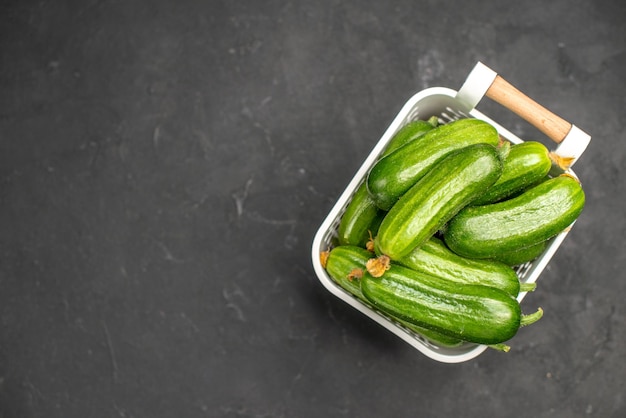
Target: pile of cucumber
{"x":433,"y":234}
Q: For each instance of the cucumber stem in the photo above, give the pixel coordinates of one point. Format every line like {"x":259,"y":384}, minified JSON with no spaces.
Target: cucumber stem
{"x":355,"y":274}
{"x":564,"y":163}
{"x":527,"y":287}
{"x":324,"y":257}
{"x":504,"y":147}
{"x":369,"y":246}
{"x":532,"y":318}
{"x":500,"y":347}
{"x":434,"y":120}
{"x":376,"y":267}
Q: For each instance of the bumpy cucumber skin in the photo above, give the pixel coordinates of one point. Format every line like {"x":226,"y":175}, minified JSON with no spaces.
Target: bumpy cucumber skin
{"x":449,"y":186}
{"x":522,"y":255}
{"x":361,"y":217}
{"x":394,"y":174}
{"x":536,"y":215}
{"x":526,"y":163}
{"x":341,"y":261}
{"x":473,"y":313}
{"x":408,"y":133}
{"x":344,"y":259}
{"x":433,"y":257}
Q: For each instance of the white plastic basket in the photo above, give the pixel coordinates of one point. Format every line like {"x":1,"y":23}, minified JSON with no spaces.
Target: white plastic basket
{"x":448,"y":105}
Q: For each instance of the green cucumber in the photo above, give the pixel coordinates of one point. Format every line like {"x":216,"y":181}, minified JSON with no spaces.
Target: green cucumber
{"x":433,"y":257}
{"x":394,"y":174}
{"x":525,"y":164}
{"x":341,"y":265}
{"x":409,"y":132}
{"x":474,"y":313}
{"x":522,"y":255}
{"x":362,"y":216}
{"x":536,"y":215}
{"x":451,"y":184}
{"x":360,"y":219}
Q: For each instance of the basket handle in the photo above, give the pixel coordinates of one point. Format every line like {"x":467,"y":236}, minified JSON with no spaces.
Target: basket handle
{"x":504,"y":93}
{"x":483,"y":81}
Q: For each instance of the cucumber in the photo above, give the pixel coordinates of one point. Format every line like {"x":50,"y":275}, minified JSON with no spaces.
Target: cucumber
{"x":434,"y":258}
{"x":408,"y":133}
{"x":362,"y":216}
{"x":523,"y":255}
{"x":342,"y":263}
{"x":450,"y":185}
{"x":360,"y":219}
{"x":394,"y":174}
{"x":536,"y":215}
{"x":474,"y":313}
{"x":525,"y":164}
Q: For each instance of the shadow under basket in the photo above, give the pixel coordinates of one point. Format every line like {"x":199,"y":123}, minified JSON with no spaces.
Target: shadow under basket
{"x":449,"y":105}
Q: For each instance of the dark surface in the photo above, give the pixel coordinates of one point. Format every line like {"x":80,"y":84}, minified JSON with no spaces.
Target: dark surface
{"x":165,"y":165}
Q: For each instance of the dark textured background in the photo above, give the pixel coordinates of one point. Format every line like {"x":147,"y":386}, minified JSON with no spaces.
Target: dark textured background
{"x":165,"y":165}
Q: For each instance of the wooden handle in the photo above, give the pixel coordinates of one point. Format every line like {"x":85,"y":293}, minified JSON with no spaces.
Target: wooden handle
{"x":547,"y":122}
